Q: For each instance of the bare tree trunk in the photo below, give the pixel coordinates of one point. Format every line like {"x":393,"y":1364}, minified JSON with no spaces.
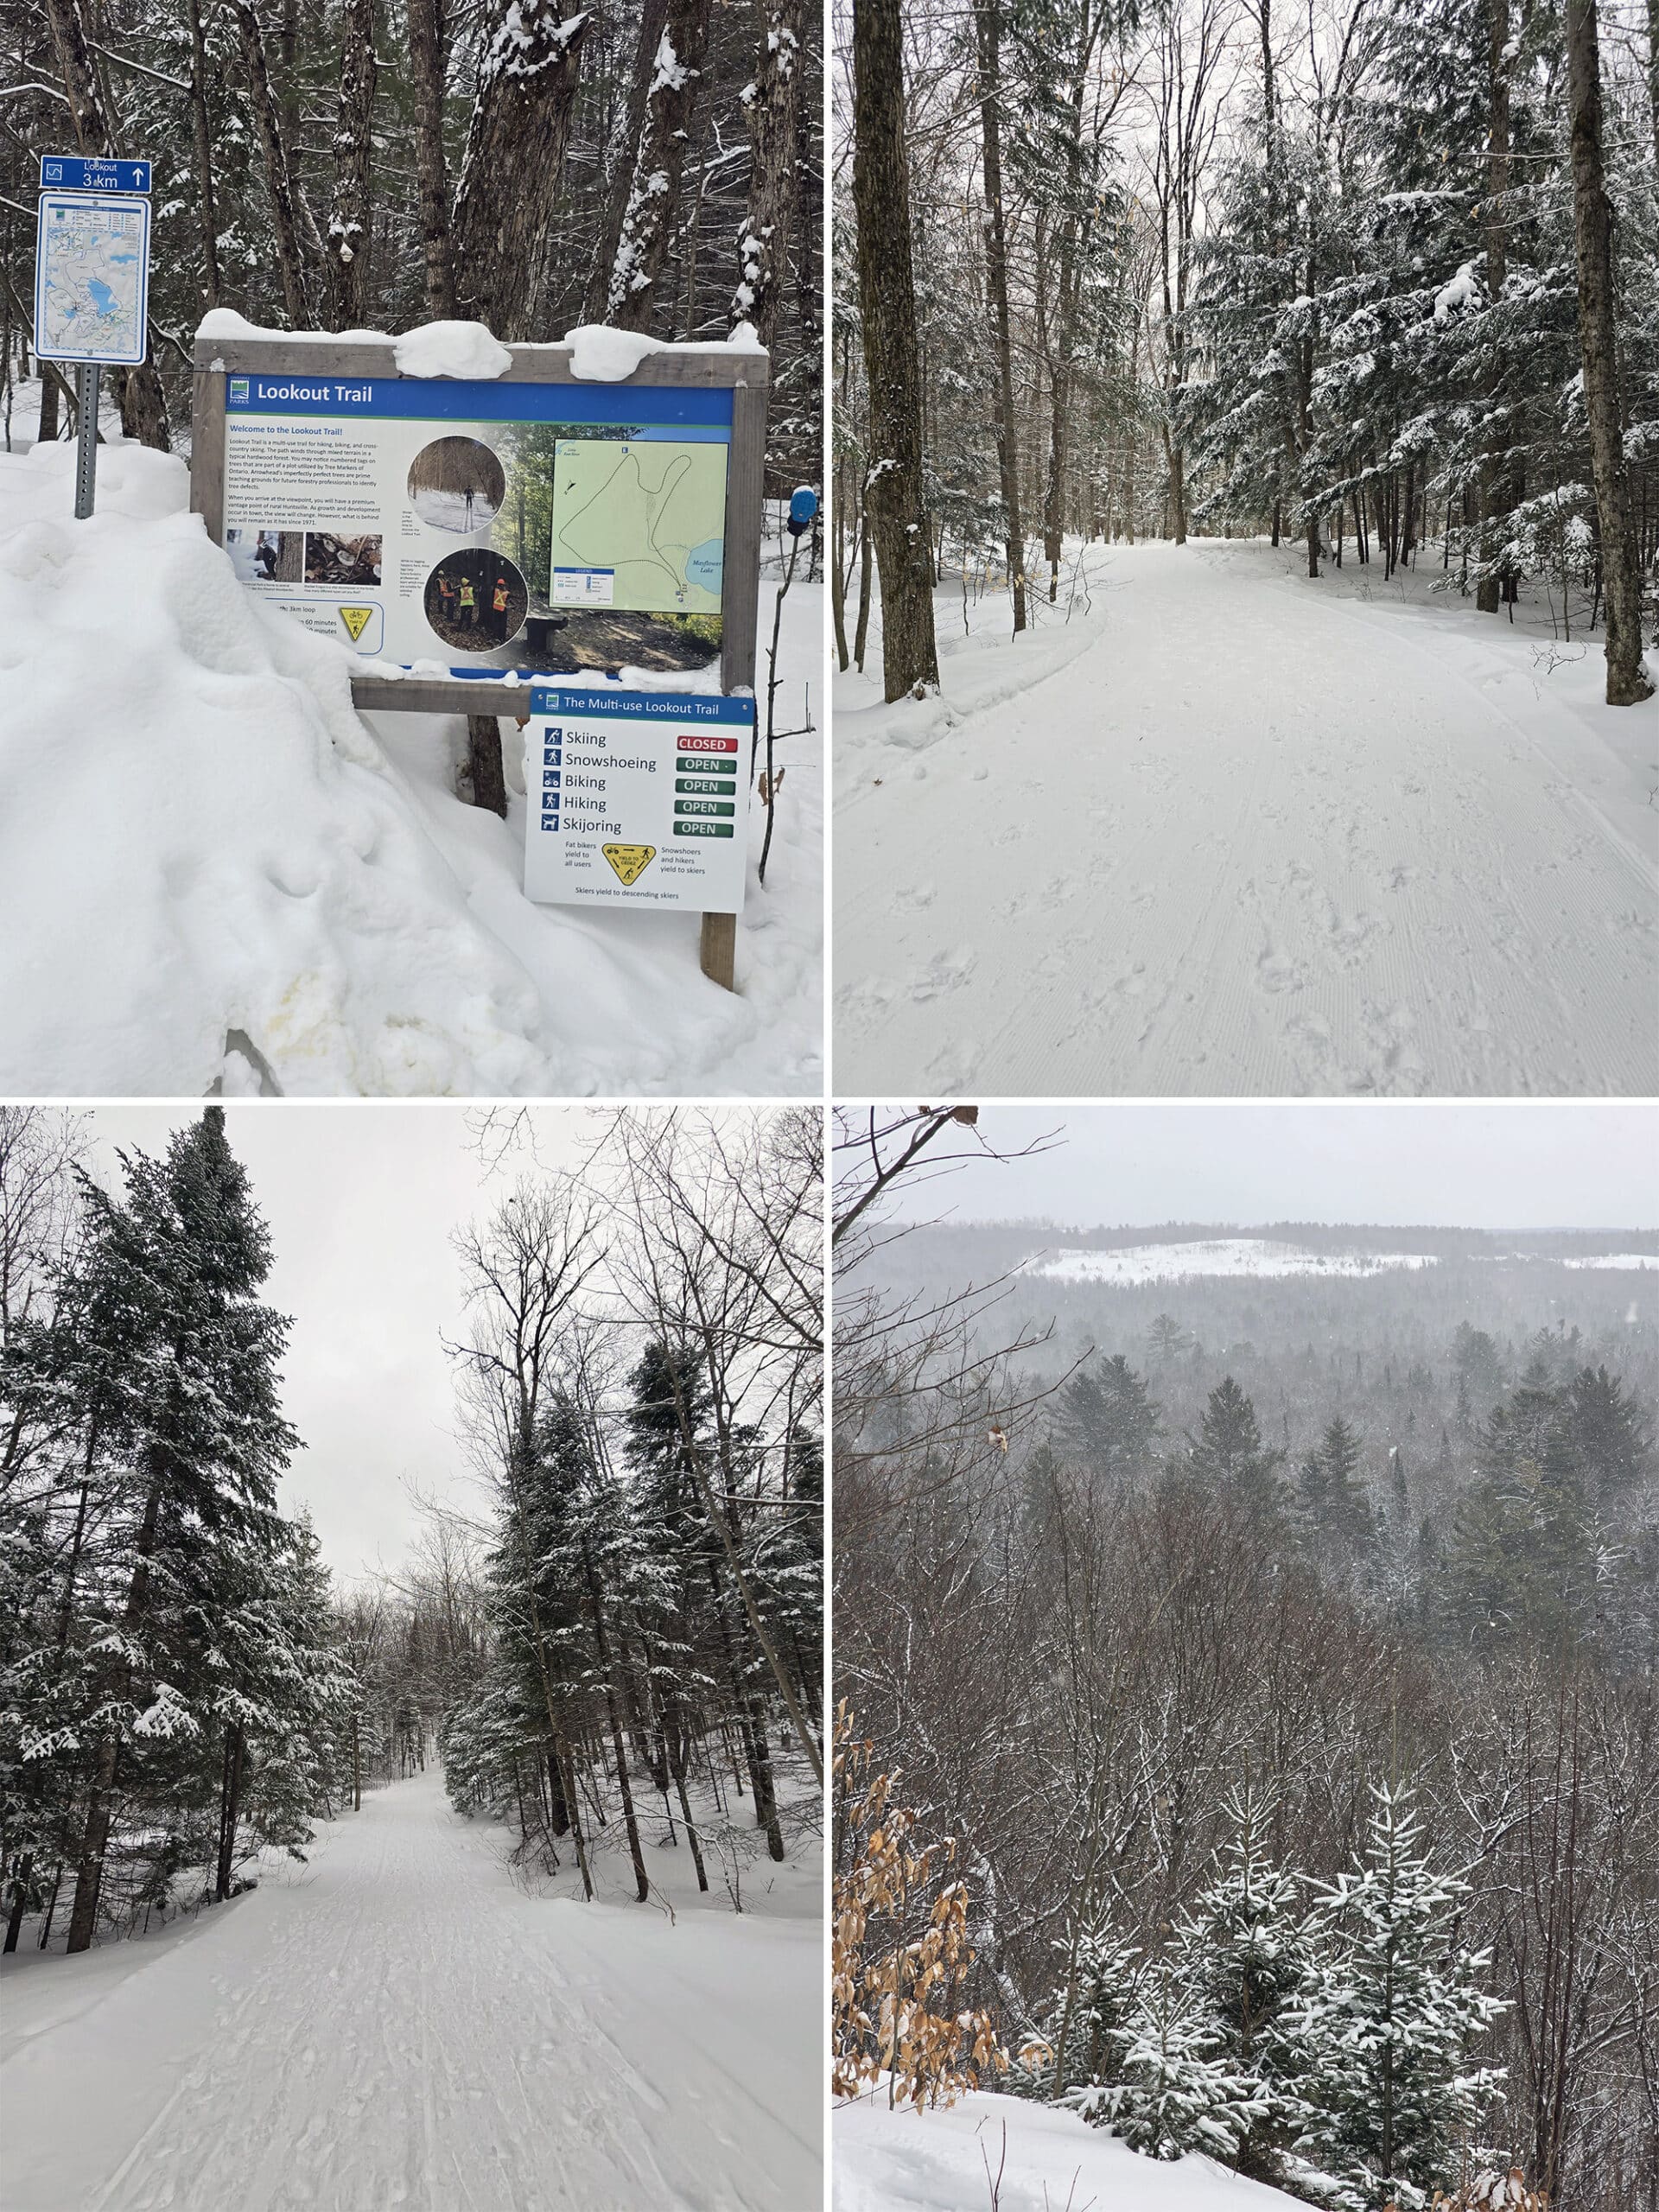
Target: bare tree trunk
{"x":1488,"y":592}
{"x":763,"y":250}
{"x":483,"y":754}
{"x":987,"y":26}
{"x":349,"y":225}
{"x":514,"y":163}
{"x":660,"y":161}
{"x":202,"y":127}
{"x":894,"y":505}
{"x":427,"y":73}
{"x":1592,"y":227}
{"x":19,"y":1899}
{"x":289,"y":215}
{"x":230,"y":1811}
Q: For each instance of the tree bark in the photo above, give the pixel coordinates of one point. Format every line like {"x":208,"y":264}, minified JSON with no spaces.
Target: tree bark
{"x":763,"y":249}
{"x":19,"y":1899}
{"x":514,"y":163}
{"x":894,"y":504}
{"x":1488,"y":592}
{"x":1593,"y":227}
{"x":202,"y":126}
{"x":349,"y":225}
{"x":484,"y":751}
{"x":988,"y":31}
{"x":427,"y":73}
{"x":676,"y":66}
{"x":288,"y":212}
{"x":230,"y":1810}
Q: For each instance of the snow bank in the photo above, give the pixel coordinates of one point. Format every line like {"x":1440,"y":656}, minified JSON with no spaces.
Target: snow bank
{"x":1617,"y":1260}
{"x":1224,"y":1256}
{"x":216,"y":874}
{"x":947,"y":2161}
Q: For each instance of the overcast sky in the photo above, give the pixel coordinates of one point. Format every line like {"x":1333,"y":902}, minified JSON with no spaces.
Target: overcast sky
{"x":1519,"y":1164}
{"x":361,"y":1200}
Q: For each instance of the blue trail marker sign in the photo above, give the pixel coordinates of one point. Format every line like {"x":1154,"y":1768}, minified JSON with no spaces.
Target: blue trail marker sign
{"x":75,"y":173}
{"x":92,"y":282}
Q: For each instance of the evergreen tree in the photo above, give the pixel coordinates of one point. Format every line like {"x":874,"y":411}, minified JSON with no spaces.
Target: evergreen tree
{"x":1107,"y":1422}
{"x":1178,"y":2091}
{"x":1230,"y":1455}
{"x":1244,"y":1955}
{"x":1334,"y":1498}
{"x":1387,"y":2017}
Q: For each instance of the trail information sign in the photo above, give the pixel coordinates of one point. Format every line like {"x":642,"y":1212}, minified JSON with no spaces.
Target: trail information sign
{"x":486,"y":531}
{"x":637,"y":798}
{"x":91,"y":276}
{"x":467,"y":539}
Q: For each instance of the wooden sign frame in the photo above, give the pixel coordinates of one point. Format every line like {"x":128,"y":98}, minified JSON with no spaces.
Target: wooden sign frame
{"x":745,"y":371}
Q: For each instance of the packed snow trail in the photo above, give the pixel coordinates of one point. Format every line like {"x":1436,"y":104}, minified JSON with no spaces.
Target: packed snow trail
{"x":397,"y":2025}
{"x":1244,"y":833}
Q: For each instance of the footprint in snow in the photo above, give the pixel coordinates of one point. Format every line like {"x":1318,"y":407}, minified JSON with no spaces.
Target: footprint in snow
{"x":1278,"y":972}
{"x":945,"y":972}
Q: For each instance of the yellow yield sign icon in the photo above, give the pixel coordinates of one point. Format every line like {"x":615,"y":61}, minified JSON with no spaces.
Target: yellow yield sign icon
{"x":356,"y":619}
{"x":630,"y":862}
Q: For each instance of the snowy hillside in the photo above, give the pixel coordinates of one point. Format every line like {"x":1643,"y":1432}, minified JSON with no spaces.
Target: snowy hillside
{"x":1226,"y":1256}
{"x":1212,"y":829}
{"x":218,"y":876}
{"x":398,"y":2022}
{"x":1001,"y":2152}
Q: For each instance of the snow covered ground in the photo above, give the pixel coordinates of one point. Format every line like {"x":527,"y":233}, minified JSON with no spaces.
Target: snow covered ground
{"x":399,"y":2024}
{"x":1223,"y":1255}
{"x":1228,"y":831}
{"x":216,"y":874}
{"x":954,"y":2161}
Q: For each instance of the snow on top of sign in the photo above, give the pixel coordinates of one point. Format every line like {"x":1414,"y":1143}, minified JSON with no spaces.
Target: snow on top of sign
{"x":599,"y":353}
{"x":452,"y":349}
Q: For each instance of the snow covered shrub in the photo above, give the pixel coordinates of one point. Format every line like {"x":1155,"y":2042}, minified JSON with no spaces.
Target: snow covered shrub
{"x":1179,"y":2090}
{"x":898,"y":1947}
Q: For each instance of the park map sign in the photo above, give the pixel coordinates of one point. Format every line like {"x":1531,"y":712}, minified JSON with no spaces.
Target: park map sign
{"x":462,"y":535}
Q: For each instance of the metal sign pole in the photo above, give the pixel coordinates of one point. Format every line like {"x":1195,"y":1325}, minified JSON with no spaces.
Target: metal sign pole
{"x":87,"y":383}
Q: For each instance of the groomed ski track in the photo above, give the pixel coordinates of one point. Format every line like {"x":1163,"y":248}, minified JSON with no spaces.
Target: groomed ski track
{"x":1248,"y":835}
{"x":397,"y":2025}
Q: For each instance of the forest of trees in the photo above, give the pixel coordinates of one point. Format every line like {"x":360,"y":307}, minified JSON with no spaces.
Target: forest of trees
{"x":652,"y":1588}
{"x":656,"y":166}
{"x":1376,"y":277}
{"x":631,"y":1627}
{"x":1297,"y":1785}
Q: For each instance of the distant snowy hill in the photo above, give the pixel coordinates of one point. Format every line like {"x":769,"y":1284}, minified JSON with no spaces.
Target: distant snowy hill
{"x":1224,"y":1256}
{"x":1049,"y":2161}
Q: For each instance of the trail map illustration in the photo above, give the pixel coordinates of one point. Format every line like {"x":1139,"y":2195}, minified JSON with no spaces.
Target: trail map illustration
{"x":639,"y":524}
{"x":90,"y":283}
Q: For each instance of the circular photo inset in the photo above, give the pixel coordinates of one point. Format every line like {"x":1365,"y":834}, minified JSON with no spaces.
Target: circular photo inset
{"x":476,"y":601}
{"x":456,"y":484}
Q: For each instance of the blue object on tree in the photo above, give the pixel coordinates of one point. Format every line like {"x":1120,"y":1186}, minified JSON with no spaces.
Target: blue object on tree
{"x":802,"y":506}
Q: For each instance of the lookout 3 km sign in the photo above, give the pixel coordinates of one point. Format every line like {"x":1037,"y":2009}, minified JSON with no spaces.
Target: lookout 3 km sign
{"x":467,"y":537}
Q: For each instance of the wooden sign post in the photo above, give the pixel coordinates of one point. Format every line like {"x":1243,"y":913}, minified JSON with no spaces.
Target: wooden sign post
{"x":375,"y":507}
